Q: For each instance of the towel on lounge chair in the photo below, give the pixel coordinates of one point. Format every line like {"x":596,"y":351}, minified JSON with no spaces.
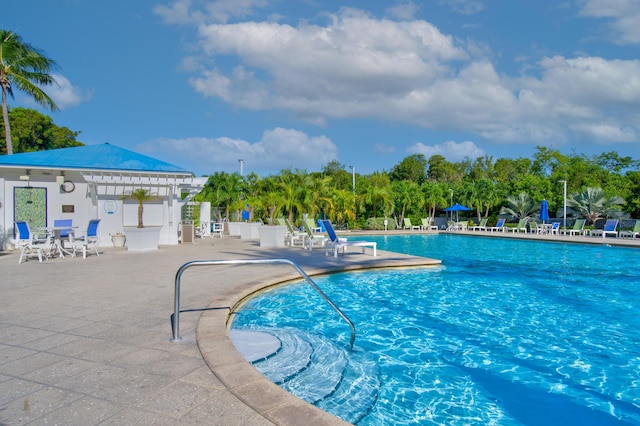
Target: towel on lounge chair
{"x":336,"y":243}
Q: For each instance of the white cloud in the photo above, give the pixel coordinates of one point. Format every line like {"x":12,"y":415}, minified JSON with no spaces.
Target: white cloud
{"x":405,"y":10}
{"x":465,"y":7}
{"x":623,"y":17}
{"x":277,"y":149}
{"x":452,"y":151}
{"x":62,"y":92}
{"x":356,"y":65}
{"x":201,"y":11}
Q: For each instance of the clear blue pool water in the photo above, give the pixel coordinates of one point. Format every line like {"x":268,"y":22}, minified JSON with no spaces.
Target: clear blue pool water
{"x":506,"y":332}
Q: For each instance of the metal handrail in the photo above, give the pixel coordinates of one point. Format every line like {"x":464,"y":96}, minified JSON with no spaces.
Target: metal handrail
{"x":176,"y":302}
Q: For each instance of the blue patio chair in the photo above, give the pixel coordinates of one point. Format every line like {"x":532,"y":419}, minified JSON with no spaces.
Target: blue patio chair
{"x":89,"y":239}
{"x":29,"y":243}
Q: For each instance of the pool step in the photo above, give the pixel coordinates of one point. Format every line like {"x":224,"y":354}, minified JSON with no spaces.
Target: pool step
{"x":316,"y":370}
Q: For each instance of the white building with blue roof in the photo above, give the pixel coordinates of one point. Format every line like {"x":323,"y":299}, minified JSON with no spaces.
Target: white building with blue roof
{"x":91,"y":182}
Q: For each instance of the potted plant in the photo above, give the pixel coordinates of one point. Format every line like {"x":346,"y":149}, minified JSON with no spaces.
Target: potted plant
{"x":118,"y":239}
{"x":142,"y":238}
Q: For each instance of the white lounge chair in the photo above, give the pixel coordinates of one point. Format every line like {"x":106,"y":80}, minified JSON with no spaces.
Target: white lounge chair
{"x":409,"y":225}
{"x":312,"y":238}
{"x":578,"y":228}
{"x":427,"y":225}
{"x":482,"y":226}
{"x":336,"y":243}
{"x":522,"y":226}
{"x":632,"y":233}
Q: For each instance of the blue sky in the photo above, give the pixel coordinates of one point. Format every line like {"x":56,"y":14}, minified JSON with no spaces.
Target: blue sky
{"x":299,"y":83}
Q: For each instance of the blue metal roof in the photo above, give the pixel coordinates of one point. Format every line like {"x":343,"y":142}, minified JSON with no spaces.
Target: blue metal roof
{"x":90,"y":157}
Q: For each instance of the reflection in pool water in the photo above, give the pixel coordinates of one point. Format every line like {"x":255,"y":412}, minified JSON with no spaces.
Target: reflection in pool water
{"x":505,"y":332}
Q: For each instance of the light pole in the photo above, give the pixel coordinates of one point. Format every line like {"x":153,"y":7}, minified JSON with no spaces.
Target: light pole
{"x":451,"y":191}
{"x":241,"y":161}
{"x":353,"y":178}
{"x":564,"y":214}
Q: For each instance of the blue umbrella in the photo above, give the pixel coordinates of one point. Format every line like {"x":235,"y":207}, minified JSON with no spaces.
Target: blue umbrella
{"x":456,"y":208}
{"x":544,"y":211}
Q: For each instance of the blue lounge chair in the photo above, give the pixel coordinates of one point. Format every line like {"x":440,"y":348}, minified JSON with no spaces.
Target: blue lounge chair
{"x":336,"y":243}
{"x":499,"y":226}
{"x":609,"y":229}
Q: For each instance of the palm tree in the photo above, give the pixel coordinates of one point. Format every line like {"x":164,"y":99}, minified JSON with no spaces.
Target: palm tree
{"x":25,"y":67}
{"x":593,"y":204}
{"x":141,"y":195}
{"x":520,"y":207}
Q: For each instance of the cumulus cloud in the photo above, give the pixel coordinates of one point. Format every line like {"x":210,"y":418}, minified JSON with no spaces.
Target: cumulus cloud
{"x":407,"y":71}
{"x":405,"y":10}
{"x":622,"y":16}
{"x":277,"y":149}
{"x":63,"y":93}
{"x":451,"y":150}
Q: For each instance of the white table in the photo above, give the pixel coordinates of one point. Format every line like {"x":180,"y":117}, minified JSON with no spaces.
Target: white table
{"x":57,"y":246}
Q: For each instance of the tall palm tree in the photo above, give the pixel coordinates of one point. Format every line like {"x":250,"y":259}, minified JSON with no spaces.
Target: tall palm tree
{"x":25,"y":67}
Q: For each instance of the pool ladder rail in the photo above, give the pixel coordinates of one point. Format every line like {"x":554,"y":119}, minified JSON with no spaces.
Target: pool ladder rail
{"x":175,"y":318}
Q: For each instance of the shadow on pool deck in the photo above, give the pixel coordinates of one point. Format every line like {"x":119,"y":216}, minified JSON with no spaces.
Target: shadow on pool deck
{"x":87,"y":341}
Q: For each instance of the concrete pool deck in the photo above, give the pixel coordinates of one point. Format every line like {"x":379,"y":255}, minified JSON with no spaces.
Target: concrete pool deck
{"x":87,"y":341}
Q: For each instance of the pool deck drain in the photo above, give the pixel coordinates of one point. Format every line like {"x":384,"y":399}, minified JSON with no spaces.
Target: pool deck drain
{"x":87,"y":341}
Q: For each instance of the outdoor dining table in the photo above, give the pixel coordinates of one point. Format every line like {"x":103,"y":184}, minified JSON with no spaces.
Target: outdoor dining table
{"x":56,"y":245}
{"x":546,"y":227}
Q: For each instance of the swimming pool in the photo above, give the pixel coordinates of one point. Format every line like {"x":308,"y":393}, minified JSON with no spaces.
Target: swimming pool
{"x":505,"y":332}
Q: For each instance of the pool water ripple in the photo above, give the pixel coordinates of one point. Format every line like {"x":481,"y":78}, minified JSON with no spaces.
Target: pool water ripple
{"x":505,"y":332}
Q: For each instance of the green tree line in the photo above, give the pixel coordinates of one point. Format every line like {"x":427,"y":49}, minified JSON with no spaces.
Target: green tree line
{"x":605,"y":185}
{"x":33,"y":131}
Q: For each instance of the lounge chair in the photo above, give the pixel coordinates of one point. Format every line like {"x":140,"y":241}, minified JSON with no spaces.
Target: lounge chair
{"x":89,"y":239}
{"x":609,"y":229}
{"x":426,"y":225}
{"x":499,"y":226}
{"x":336,"y":243}
{"x":408,"y":225}
{"x":312,"y":238}
{"x":632,"y":233}
{"x":522,"y":226}
{"x":29,"y":243}
{"x":578,"y":228}
{"x":294,"y":237}
{"x":311,"y":225}
{"x":482,"y":226}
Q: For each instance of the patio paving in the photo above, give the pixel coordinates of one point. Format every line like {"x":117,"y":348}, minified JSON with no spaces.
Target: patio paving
{"x":87,"y":341}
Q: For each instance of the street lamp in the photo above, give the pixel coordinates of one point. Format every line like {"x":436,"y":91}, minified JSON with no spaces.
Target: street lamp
{"x":241,"y":161}
{"x":564,"y":215}
{"x":451,"y":191}
{"x":353,"y":178}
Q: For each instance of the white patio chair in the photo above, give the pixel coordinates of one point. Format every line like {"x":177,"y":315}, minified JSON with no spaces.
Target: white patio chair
{"x":86,"y":241}
{"x":30,"y":244}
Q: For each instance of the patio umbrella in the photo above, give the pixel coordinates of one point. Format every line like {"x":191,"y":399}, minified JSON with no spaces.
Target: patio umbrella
{"x":456,"y":208}
{"x":544,"y":211}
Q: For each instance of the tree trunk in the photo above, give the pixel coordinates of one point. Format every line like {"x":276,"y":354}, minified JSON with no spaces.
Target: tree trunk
{"x":7,"y":126}
{"x":140,"y":210}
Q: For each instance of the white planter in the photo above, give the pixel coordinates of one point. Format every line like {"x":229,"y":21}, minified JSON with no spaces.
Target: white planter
{"x":234,"y":228}
{"x":142,"y":239}
{"x":272,"y":236}
{"x":249,"y":230}
{"x":118,"y":240}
